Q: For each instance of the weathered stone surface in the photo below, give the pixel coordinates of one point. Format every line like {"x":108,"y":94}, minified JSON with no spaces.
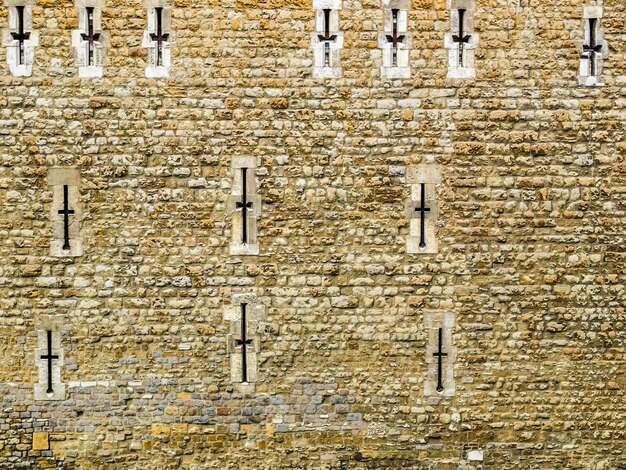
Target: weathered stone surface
{"x":40,"y":441}
{"x":531,"y":232}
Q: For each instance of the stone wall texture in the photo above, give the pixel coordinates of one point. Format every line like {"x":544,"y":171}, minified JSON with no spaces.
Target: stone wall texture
{"x":530,"y":263}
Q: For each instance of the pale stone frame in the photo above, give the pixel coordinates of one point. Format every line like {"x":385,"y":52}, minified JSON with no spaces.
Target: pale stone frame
{"x":319,"y":69}
{"x":255,"y":314}
{"x":433,"y":320}
{"x":152,"y":70}
{"x":80,"y":46}
{"x":454,"y":70}
{"x":43,"y":324}
{"x":430,"y":175}
{"x":25,"y":69}
{"x":57,"y":178}
{"x":403,"y":69}
{"x":584,"y":79}
{"x":237,"y":247}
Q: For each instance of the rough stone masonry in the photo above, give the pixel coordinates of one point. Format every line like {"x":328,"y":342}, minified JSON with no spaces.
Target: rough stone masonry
{"x":405,"y":221}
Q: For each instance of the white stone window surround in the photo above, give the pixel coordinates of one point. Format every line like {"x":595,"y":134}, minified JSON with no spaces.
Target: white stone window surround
{"x":81,"y":46}
{"x":59,"y":177}
{"x":55,"y":325}
{"x":255,"y":314}
{"x":17,"y":69}
{"x":468,"y":68}
{"x":401,"y":69}
{"x":154,"y":70}
{"x":434,"y":320}
{"x":428,"y":174}
{"x":585,"y":78}
{"x":237,"y":246}
{"x":320,"y":69}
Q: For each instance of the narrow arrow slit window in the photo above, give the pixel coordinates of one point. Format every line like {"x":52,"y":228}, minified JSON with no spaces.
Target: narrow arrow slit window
{"x":20,"y":35}
{"x":440,"y":353}
{"x":20,"y":39}
{"x":66,"y":213}
{"x":90,"y":37}
{"x":89,"y":40}
{"x":395,"y":41}
{"x":158,"y":39}
{"x":245,"y":207}
{"x":462,"y":40}
{"x":327,"y":40}
{"x":422,"y":208}
{"x":594,"y":48}
{"x":49,"y":358}
{"x":245,"y":315}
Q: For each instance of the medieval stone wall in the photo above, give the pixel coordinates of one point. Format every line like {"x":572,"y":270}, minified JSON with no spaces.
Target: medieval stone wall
{"x":529,"y":272}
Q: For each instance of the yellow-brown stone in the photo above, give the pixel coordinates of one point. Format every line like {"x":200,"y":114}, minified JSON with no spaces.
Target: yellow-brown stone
{"x":41,"y":441}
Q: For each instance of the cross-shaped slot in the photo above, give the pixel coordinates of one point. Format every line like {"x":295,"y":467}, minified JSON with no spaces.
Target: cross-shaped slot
{"x":49,"y":357}
{"x":327,"y":38}
{"x":460,"y":38}
{"x":422,"y":209}
{"x":244,"y":342}
{"x":440,"y":355}
{"x":21,"y":35}
{"x":394,"y":38}
{"x":90,"y":37}
{"x":66,"y":212}
{"x":244,"y":206}
{"x":590,"y":50}
{"x":159,"y":37}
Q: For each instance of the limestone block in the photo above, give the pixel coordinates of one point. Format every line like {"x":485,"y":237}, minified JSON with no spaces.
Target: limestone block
{"x":40,"y":441}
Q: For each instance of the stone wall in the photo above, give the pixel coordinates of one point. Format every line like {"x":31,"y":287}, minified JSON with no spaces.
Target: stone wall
{"x":530,"y":259}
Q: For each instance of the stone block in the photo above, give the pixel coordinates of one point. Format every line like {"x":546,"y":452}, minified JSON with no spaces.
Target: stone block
{"x":41,"y":441}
